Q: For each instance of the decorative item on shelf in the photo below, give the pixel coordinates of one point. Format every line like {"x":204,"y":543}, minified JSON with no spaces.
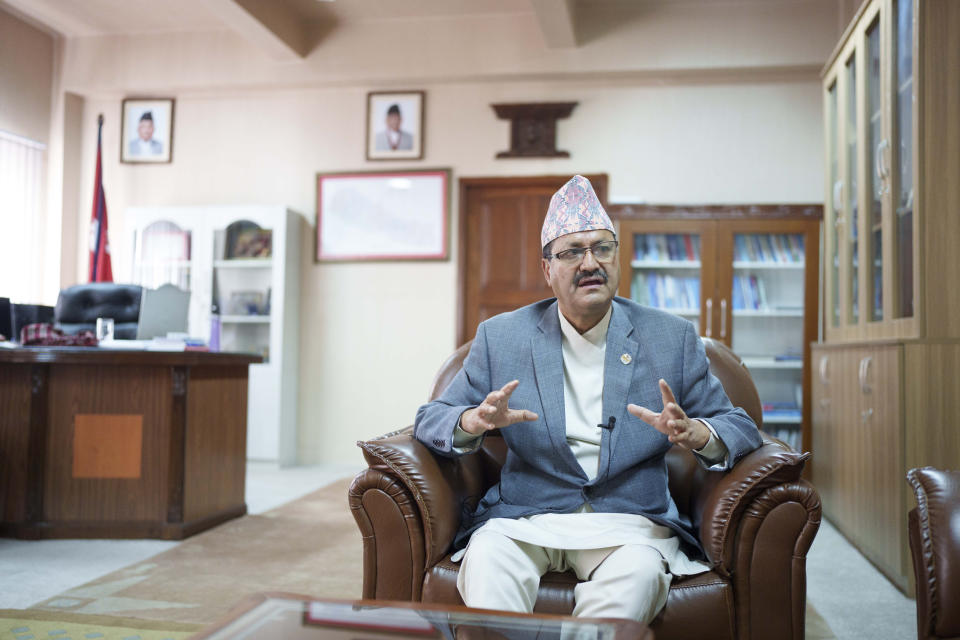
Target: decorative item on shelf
{"x":245,"y":303}
{"x":247,"y":239}
{"x":533,"y":128}
{"x":395,"y":125}
{"x":146,"y":134}
{"x":214,"y":343}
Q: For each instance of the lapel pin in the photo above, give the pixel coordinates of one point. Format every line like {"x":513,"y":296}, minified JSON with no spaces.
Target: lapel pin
{"x":626,"y":359}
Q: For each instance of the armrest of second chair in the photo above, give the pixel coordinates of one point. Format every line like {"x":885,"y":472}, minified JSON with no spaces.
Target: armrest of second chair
{"x":934,"y":528}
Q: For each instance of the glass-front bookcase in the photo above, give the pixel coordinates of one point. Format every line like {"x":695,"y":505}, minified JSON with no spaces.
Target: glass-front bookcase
{"x":742,"y":279}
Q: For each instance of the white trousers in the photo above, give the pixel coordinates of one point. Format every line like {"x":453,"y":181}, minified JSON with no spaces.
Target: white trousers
{"x":498,"y":572}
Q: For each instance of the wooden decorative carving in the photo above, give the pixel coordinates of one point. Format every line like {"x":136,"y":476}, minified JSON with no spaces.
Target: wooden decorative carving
{"x":533,"y":128}
{"x":179,"y":381}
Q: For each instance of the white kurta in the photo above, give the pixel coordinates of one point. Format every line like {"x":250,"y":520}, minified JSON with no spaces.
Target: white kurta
{"x":583,"y":361}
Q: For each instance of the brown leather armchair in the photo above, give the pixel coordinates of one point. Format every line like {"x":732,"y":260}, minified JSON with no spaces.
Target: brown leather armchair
{"x":934,"y":527}
{"x":756,"y":524}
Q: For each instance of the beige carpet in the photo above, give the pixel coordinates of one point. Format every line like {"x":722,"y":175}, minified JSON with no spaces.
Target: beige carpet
{"x":310,"y":546}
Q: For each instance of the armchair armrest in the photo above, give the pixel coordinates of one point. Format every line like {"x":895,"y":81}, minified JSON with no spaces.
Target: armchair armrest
{"x":758,"y":522}
{"x":725,"y":497}
{"x":439,"y":487}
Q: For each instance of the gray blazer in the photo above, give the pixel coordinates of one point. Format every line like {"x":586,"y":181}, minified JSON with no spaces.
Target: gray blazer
{"x":133,"y":149}
{"x":380,"y":142}
{"x":541,"y":474}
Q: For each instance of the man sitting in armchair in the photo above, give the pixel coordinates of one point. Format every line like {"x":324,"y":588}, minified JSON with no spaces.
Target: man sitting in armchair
{"x":589,"y":392}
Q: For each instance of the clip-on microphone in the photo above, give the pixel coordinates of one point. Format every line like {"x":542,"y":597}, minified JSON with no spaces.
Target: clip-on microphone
{"x":611,"y":423}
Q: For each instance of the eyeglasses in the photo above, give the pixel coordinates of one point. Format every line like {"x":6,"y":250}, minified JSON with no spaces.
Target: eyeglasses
{"x":602,"y":252}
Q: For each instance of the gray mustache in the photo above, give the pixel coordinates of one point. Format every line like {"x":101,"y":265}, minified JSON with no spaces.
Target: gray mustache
{"x":598,"y":273}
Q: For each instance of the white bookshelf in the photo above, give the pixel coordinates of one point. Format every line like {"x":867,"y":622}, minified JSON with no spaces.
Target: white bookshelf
{"x":212,"y":277}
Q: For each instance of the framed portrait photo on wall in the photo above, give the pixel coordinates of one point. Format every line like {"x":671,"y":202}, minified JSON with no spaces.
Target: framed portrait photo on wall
{"x":395,"y":125}
{"x":398,"y":215}
{"x":146,"y":134}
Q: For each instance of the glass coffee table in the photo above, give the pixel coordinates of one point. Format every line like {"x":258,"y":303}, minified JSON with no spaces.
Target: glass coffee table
{"x":296,"y":617}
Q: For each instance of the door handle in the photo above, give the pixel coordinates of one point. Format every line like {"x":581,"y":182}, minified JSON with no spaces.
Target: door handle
{"x":864,"y":368}
{"x":823,"y":369}
{"x":865,"y":415}
{"x":709,"y":332}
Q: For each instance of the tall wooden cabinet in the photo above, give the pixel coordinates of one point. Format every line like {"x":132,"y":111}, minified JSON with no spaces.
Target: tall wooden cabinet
{"x":886,"y":390}
{"x":747,"y":276}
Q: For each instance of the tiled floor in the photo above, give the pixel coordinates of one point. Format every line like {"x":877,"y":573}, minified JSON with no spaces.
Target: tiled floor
{"x":854,"y":599}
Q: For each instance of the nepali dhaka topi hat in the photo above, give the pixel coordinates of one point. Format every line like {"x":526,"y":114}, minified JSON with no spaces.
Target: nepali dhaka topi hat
{"x":575,"y":207}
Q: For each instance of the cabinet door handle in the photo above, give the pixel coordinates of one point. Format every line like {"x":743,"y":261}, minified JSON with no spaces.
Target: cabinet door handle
{"x":865,"y":415}
{"x":838,"y":195}
{"x":864,"y":367}
{"x":823,"y":369}
{"x":709,"y":331}
{"x":723,"y":318}
{"x":883,"y":172}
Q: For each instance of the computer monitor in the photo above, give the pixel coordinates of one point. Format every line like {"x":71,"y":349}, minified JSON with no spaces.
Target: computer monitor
{"x":163,"y":310}
{"x":6,"y":320}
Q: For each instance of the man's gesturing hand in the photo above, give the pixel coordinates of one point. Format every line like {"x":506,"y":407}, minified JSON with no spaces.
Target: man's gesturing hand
{"x":673,"y":422}
{"x":494,"y":413}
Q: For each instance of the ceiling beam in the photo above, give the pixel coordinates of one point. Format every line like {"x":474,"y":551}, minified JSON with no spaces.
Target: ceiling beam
{"x":273,"y":25}
{"x":63,"y":18}
{"x":556,"y":19}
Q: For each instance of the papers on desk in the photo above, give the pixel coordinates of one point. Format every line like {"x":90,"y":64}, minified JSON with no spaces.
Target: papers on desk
{"x":155,"y":344}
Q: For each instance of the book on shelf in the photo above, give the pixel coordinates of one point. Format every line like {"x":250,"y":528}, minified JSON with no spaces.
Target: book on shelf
{"x":663,"y":247}
{"x":788,"y":357}
{"x":739,"y":302}
{"x":749,"y":293}
{"x":761,"y":291}
{"x":666,"y":291}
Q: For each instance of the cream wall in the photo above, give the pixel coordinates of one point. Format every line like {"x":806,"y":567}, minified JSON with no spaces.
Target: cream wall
{"x":722,"y":124}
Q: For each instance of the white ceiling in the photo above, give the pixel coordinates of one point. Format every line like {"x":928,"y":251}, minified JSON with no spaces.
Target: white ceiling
{"x":290,"y":29}
{"x":74,"y":18}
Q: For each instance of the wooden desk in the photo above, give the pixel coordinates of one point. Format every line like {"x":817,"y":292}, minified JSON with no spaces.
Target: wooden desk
{"x":98,"y":443}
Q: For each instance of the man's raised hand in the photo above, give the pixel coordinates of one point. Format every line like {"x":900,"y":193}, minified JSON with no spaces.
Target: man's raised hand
{"x":493,"y":412}
{"x":672,"y":421}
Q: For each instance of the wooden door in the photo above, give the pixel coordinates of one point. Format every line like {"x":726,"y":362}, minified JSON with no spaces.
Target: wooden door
{"x":499,"y":244}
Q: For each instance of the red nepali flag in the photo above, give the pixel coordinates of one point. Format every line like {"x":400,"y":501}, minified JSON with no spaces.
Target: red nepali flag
{"x":100,"y":267}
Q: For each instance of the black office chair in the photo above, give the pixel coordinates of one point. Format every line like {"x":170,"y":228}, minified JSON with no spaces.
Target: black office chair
{"x":79,"y":306}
